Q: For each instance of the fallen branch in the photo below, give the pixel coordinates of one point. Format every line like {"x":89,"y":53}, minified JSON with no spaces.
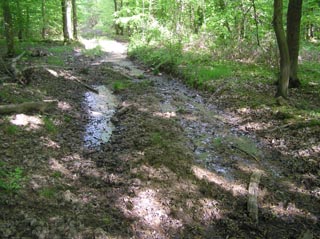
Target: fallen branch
{"x":253,"y":189}
{"x":28,"y":107}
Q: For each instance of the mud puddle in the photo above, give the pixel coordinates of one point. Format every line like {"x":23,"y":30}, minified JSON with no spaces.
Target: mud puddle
{"x":217,"y":144}
{"x":100,"y":108}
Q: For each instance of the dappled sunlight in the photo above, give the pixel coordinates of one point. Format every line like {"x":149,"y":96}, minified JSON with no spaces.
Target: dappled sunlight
{"x":59,"y":167}
{"x":64,"y":106}
{"x":47,"y":142}
{"x":312,"y":150}
{"x":289,"y":212}
{"x":209,"y":210}
{"x":53,"y":73}
{"x":106,"y":45}
{"x":150,"y":210}
{"x":74,"y":166}
{"x":89,"y":43}
{"x":234,"y":188}
{"x":165,"y":115}
{"x":255,"y":126}
{"x":28,"y":121}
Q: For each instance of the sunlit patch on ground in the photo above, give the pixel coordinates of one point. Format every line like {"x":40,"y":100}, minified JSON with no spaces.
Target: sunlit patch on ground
{"x":290,"y":212}
{"x":153,"y":215}
{"x":64,"y":105}
{"x":209,"y":210}
{"x":47,"y":142}
{"x":59,"y":167}
{"x":165,"y":115}
{"x":30,"y":122}
{"x":236,"y":189}
{"x":106,"y":45}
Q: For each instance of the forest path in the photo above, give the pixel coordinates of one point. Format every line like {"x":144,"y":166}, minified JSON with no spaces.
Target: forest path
{"x":174,"y":166}
{"x":205,"y":126}
{"x":217,"y":153}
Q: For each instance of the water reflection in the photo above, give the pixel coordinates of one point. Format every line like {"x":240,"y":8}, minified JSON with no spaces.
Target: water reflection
{"x":100,"y":108}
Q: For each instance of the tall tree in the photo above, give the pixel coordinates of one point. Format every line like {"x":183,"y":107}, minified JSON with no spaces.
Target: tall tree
{"x":19,"y":18}
{"x":66,"y":19}
{"x":75,"y":20}
{"x":293,"y":39}
{"x":8,"y":27}
{"x":44,"y":19}
{"x":283,"y":49}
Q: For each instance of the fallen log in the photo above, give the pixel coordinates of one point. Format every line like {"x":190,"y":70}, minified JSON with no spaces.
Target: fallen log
{"x":252,"y":205}
{"x":28,"y":107}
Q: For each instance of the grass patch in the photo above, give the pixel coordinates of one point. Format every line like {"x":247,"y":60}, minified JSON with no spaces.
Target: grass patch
{"x":11,"y":129}
{"x":49,"y":125}
{"x":10,"y":179}
{"x":55,"y":60}
{"x":118,"y":86}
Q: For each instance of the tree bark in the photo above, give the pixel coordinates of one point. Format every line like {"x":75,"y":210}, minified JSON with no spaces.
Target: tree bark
{"x":44,"y":19}
{"x":293,"y":39}
{"x":19,"y":18}
{"x":7,"y":17}
{"x":115,"y":5}
{"x":283,"y":82}
{"x":75,"y":20}
{"x":66,"y":20}
{"x":27,"y":23}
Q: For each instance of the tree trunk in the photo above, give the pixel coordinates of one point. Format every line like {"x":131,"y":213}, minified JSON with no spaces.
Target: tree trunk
{"x":293,"y":39}
{"x":28,"y":23}
{"x":44,"y":19}
{"x":115,"y":5}
{"x":283,"y":49}
{"x":66,"y":20}
{"x":8,"y":28}
{"x":75,"y":20}
{"x":256,"y":21}
{"x":19,"y":18}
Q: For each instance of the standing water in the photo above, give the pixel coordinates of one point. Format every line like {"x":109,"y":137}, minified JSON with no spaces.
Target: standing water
{"x":100,"y":108}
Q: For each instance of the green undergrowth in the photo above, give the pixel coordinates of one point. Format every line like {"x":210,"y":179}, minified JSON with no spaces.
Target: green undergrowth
{"x":234,"y":84}
{"x":10,"y":178}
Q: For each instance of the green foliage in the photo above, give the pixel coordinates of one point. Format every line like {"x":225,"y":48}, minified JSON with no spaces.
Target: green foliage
{"x":10,"y":179}
{"x":49,"y":125}
{"x":118,"y":86}
{"x":55,"y":60}
{"x":11,"y":129}
{"x":158,"y":138}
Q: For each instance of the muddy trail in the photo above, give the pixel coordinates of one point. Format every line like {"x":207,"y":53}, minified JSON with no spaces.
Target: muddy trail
{"x":147,"y":157}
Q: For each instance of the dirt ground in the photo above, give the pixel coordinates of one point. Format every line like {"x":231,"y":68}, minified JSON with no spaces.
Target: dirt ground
{"x":178,"y":163}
